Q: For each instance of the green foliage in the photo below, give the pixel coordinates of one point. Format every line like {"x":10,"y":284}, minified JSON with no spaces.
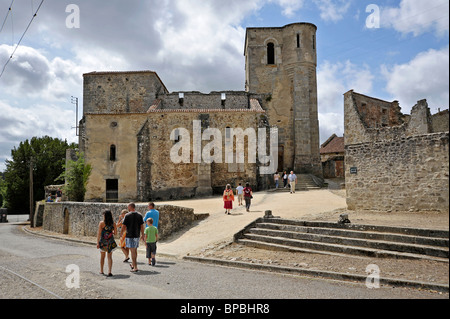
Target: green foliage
{"x":49,"y":155}
{"x":76,"y":176}
{"x":2,"y":191}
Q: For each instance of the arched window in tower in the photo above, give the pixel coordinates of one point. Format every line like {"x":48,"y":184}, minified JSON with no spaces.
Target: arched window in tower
{"x":112,"y":153}
{"x":270,"y":53}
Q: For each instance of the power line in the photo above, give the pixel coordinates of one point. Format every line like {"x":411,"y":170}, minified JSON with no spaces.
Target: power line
{"x":7,"y":14}
{"x":15,"y":49}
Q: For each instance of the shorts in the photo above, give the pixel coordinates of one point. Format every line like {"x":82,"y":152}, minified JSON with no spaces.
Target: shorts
{"x":151,"y":249}
{"x":132,"y":242}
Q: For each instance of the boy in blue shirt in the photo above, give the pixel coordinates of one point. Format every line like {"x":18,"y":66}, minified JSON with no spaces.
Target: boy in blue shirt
{"x":152,"y":213}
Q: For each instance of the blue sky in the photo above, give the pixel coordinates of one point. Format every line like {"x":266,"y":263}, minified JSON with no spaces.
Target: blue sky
{"x":198,"y":45}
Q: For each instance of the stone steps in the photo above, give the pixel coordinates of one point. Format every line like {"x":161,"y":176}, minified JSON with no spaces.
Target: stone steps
{"x":346,"y":239}
{"x":371,"y":235}
{"x":305,"y":182}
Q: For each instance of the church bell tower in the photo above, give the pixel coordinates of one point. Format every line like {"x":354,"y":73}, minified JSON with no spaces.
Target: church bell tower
{"x":281,"y":65}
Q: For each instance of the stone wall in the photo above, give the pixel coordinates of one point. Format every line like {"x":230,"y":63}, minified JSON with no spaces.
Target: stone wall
{"x":143,"y":166}
{"x":213,"y":100}
{"x":403,"y":166}
{"x":440,"y":121}
{"x":82,"y":219}
{"x":401,"y":175}
{"x":120,"y":92}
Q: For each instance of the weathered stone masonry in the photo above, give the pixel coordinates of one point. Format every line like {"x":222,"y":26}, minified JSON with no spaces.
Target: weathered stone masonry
{"x":82,"y":219}
{"x":395,"y":168}
{"x":128,"y":118}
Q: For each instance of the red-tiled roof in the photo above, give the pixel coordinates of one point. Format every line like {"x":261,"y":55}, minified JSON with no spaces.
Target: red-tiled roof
{"x":334,"y":144}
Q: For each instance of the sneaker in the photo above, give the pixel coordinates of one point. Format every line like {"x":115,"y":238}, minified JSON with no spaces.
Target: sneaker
{"x":153,"y":261}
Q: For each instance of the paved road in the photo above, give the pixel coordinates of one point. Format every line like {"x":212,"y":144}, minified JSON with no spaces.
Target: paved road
{"x":35,"y":267}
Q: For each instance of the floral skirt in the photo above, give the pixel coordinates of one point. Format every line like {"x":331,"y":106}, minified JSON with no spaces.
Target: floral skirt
{"x":107,"y":243}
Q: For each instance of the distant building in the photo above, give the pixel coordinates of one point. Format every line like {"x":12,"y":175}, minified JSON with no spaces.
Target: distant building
{"x":332,"y":157}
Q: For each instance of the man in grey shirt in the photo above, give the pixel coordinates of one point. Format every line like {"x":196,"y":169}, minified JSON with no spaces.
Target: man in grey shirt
{"x":292,"y":181}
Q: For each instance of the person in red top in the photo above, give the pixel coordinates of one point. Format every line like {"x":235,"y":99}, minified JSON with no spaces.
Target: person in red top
{"x":228,"y":199}
{"x":248,"y":195}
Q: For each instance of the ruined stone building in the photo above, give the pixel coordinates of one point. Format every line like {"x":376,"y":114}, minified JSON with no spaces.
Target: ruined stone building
{"x":395,"y":162}
{"x":131,"y":122}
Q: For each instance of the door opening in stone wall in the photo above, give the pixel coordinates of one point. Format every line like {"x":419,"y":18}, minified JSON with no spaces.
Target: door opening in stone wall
{"x":280,"y":158}
{"x":66,"y":222}
{"x":112,"y":190}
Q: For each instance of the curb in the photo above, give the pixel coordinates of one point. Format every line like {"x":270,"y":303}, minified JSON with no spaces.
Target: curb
{"x":321,"y":273}
{"x":281,"y":269}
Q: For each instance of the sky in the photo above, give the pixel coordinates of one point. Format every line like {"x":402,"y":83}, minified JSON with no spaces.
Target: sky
{"x":389,"y":49}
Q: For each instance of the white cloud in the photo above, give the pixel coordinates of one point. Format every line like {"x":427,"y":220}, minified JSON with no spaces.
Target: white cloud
{"x":290,"y":7}
{"x":424,"y":77}
{"x":18,"y":124}
{"x":417,"y":17}
{"x":333,"y":80}
{"x":31,"y":74}
{"x":330,"y":123}
{"x":333,"y":10}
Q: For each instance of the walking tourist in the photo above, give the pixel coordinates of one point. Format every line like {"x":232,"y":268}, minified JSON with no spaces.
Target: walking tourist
{"x":276,"y":178}
{"x":123,"y":234}
{"x":151,"y":237}
{"x":228,"y":199}
{"x":152,"y":213}
{"x":248,"y":195}
{"x":58,"y":195}
{"x":240,"y":194}
{"x":105,"y":240}
{"x":285,"y":179}
{"x":292,"y":181}
{"x":134,"y":226}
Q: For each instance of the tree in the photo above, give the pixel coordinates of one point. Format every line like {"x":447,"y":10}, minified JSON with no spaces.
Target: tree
{"x":48,"y":155}
{"x":2,"y":191}
{"x":76,"y":176}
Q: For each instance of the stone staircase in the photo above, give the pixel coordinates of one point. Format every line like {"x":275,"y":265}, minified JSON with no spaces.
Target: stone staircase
{"x":304,"y":183}
{"x":346,"y":239}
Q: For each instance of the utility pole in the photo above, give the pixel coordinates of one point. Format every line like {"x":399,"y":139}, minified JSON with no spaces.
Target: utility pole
{"x":74,"y":100}
{"x":31,"y":192}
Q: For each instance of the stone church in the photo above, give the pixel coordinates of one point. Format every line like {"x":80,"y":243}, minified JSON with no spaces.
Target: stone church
{"x":131,"y":123}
